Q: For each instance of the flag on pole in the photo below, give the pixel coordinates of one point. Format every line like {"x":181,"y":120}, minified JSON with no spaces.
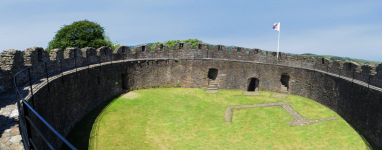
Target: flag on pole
{"x":276,"y":26}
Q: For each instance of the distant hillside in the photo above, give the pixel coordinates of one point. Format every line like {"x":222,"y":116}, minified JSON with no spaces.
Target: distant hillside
{"x":345,"y":59}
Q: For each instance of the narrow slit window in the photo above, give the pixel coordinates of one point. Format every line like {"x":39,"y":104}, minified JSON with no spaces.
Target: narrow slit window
{"x":200,"y":46}
{"x":142,"y":48}
{"x":181,"y":46}
{"x":161,"y":47}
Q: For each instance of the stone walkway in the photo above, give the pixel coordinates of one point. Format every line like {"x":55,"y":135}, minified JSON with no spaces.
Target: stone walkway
{"x":251,"y":93}
{"x":299,"y":121}
{"x":10,"y":138}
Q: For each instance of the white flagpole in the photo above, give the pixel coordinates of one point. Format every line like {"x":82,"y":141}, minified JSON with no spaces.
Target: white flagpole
{"x":278,"y":46}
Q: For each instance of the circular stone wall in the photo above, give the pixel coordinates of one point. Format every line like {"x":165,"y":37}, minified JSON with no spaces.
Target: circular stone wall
{"x":70,"y":97}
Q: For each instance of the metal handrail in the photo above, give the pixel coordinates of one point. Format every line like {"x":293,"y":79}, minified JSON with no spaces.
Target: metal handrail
{"x":24,"y":102}
{"x":46,"y":123}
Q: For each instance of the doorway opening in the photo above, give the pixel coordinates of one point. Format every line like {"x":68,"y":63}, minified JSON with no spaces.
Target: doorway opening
{"x":212,"y":73}
{"x":253,"y":85}
{"x":124,"y":82}
{"x":285,"y":80}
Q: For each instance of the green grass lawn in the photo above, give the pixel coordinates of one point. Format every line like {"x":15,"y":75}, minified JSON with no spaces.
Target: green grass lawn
{"x":186,"y":118}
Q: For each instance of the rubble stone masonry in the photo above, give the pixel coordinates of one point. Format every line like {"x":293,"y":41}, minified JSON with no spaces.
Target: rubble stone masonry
{"x":91,"y":76}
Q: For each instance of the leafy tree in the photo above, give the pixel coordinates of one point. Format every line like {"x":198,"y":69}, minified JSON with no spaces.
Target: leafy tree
{"x":170,"y":43}
{"x":338,"y":58}
{"x":80,"y":34}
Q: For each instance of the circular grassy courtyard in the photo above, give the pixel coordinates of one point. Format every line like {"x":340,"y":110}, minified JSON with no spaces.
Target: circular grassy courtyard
{"x":186,"y":118}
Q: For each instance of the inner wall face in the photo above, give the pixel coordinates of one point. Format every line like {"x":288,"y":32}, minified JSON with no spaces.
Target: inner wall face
{"x":89,"y":87}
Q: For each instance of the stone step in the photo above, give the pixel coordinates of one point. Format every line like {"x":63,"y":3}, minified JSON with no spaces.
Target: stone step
{"x":212,"y":88}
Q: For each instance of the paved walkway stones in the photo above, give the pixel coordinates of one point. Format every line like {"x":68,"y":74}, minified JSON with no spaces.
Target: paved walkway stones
{"x":10,"y":138}
{"x":211,"y":91}
{"x":251,"y":93}
{"x":279,"y":95}
{"x":299,"y":121}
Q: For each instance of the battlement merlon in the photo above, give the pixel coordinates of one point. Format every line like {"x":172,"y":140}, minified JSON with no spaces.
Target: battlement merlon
{"x":238,"y":50}
{"x":35,"y":55}
{"x":217,"y":48}
{"x":141,"y":48}
{"x":161,"y":47}
{"x":56,"y":54}
{"x":12,"y":60}
{"x":179,"y":46}
{"x":201,"y":46}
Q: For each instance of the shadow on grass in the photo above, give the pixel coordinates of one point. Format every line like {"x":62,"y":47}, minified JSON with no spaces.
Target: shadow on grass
{"x":367,"y":140}
{"x":79,"y":136}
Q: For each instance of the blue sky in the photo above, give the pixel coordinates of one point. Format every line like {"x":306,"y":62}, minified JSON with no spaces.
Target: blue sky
{"x":342,"y":28}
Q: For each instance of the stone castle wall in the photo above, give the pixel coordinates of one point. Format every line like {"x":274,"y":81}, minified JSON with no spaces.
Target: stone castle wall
{"x":13,"y":61}
{"x":99,"y":76}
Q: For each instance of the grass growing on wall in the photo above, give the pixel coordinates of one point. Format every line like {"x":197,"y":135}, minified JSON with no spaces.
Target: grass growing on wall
{"x":185,"y":118}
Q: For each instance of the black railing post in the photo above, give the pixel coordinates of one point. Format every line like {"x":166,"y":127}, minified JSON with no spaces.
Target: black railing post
{"x":62,"y":73}
{"x":339,"y":75}
{"x":30,"y":83}
{"x":27,"y":124}
{"x":99,"y":61}
{"x":47,"y":76}
{"x":368,"y":83}
{"x":352,"y":81}
{"x":75,"y":64}
{"x":25,"y":109}
{"x":87,"y":59}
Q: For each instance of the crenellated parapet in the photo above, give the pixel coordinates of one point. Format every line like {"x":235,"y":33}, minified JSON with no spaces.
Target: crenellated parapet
{"x":161,"y":51}
{"x":35,"y":55}
{"x":104,"y":53}
{"x":90,"y":54}
{"x":219,"y":51}
{"x":180,"y":46}
{"x":12,"y":60}
{"x":351,"y":69}
{"x":56,"y":54}
{"x":201,"y":46}
{"x":376,"y":79}
{"x":122,"y":53}
{"x":239,"y":53}
{"x":142,"y":51}
{"x":74,"y":57}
